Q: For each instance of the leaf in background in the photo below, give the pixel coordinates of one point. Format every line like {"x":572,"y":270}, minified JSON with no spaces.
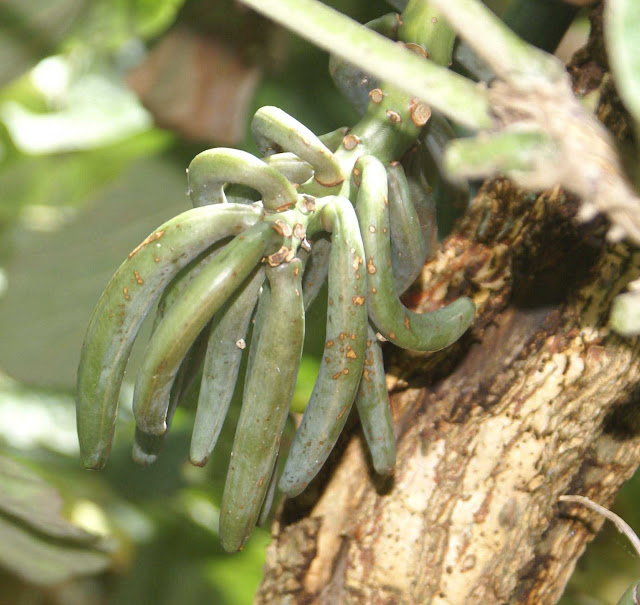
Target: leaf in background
{"x":55,"y":279}
{"x":622,"y":24}
{"x":31,"y":30}
{"x":36,"y":543}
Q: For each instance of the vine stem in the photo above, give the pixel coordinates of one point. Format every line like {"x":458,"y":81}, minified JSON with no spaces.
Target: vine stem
{"x":458,"y":98}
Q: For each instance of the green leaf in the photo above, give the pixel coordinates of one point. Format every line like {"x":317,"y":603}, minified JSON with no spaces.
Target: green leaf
{"x":36,"y":543}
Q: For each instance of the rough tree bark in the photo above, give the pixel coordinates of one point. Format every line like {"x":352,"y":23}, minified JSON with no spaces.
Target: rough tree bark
{"x":539,"y":399}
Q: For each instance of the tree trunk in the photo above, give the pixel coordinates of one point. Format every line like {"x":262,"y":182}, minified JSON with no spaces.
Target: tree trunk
{"x":539,"y":399}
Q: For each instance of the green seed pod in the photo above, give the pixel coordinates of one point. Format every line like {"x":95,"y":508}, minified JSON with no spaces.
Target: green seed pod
{"x":210,"y":170}
{"x":316,"y":270}
{"x":185,"y":320}
{"x":274,"y":128}
{"x":271,"y":492}
{"x":267,"y":395}
{"x":224,"y":352}
{"x":408,"y":246}
{"x":419,"y":332}
{"x":343,"y":357}
{"x":123,"y":306}
{"x":374,"y":409}
{"x":146,"y":448}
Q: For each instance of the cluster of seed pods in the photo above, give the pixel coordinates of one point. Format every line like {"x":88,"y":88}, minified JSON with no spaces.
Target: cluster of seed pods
{"x":338,"y":208}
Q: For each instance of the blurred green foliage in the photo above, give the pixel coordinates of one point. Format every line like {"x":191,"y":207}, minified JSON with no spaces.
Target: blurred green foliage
{"x":72,"y":205}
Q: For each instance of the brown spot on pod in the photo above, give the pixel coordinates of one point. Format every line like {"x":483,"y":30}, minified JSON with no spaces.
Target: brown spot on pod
{"x":151,"y":238}
{"x":261,"y":481}
{"x":290,"y":255}
{"x":337,"y":375}
{"x":351,"y":141}
{"x":372,"y":229}
{"x":342,"y":336}
{"x":394,"y":116}
{"x":420,"y":112}
{"x":308,"y":203}
{"x":351,"y":354}
{"x":416,"y":48}
{"x":125,"y":291}
{"x":299,"y":231}
{"x":358,"y":300}
{"x":398,"y":19}
{"x":138,"y":278}
{"x":376,"y":95}
{"x":341,"y":414}
{"x":329,"y":344}
{"x":371,"y":268}
{"x":282,"y":228}
{"x":277,"y":258}
{"x":296,"y":270}
{"x":407,"y":323}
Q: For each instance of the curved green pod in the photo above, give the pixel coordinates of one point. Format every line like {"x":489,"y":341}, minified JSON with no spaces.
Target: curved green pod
{"x":226,"y":342}
{"x":419,"y":332}
{"x":343,"y":356}
{"x":123,"y":306}
{"x":374,"y":408}
{"x":316,"y":269}
{"x":332,"y":140}
{"x":408,"y":246}
{"x":272,"y":128}
{"x":268,"y":391}
{"x":146,"y":447}
{"x":210,"y":170}
{"x":187,"y":317}
{"x":296,"y":171}
{"x":271,"y":492}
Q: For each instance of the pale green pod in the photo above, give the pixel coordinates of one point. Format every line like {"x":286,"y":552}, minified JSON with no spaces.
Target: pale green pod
{"x":374,"y":408}
{"x":271,"y":492}
{"x":210,"y":170}
{"x":419,"y":332}
{"x":273,"y":128}
{"x":129,"y":296}
{"x":268,"y":391}
{"x":296,"y":171}
{"x":332,"y":140}
{"x":187,"y":317}
{"x":343,"y":356}
{"x":408,"y":246}
{"x":316,"y":269}
{"x":146,"y":447}
{"x":226,"y":341}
